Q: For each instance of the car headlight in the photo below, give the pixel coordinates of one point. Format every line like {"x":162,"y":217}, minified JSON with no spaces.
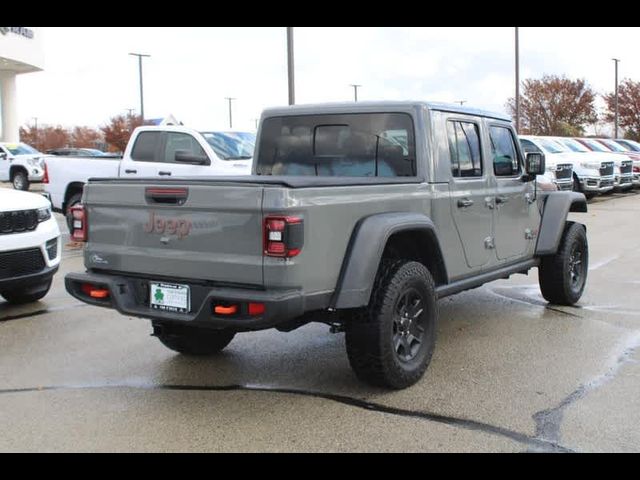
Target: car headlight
{"x":44,"y":214}
{"x":590,"y":165}
{"x":35,"y":162}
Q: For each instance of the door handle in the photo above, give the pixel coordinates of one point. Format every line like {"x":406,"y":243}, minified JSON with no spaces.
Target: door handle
{"x":465,"y":203}
{"x":164,"y":174}
{"x":131,"y":171}
{"x":501,"y":200}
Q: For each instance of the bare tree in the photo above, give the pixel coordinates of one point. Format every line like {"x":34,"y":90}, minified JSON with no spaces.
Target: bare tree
{"x":628,"y":107}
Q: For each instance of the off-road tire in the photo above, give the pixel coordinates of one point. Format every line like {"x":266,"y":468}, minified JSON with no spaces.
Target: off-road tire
{"x":20,"y":180}
{"x":34,"y":293}
{"x":371,"y":332}
{"x":557,"y":273}
{"x":195,"y":341}
{"x":75,"y":199}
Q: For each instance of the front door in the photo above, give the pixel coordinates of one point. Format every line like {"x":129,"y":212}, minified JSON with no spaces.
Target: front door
{"x":514,"y":233}
{"x":471,"y":202}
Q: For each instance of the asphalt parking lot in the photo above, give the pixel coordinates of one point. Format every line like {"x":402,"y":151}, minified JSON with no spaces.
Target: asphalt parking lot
{"x":509,"y":374}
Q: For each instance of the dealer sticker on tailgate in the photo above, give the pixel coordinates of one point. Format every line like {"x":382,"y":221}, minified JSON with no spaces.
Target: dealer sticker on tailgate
{"x":170,"y":298}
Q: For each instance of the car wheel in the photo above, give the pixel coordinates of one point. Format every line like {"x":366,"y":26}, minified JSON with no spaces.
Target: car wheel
{"x":28,"y":294}
{"x":390,"y":343}
{"x":563,"y":276}
{"x":192,"y":340}
{"x":20,"y":180}
{"x":73,"y":201}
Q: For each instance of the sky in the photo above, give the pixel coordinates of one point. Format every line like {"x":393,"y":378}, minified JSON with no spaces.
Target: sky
{"x":90,"y":77}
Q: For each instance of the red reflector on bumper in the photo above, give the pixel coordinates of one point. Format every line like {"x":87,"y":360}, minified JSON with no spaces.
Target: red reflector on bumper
{"x":95,"y":292}
{"x":256,"y":309}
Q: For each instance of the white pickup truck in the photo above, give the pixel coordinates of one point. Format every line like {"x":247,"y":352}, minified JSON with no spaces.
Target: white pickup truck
{"x":163,"y":152}
{"x":20,"y":164}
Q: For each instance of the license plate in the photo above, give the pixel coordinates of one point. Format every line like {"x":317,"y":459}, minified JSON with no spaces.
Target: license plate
{"x":170,"y":298}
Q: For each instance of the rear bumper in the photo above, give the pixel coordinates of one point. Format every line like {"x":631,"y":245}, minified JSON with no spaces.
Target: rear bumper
{"x":129,"y":296}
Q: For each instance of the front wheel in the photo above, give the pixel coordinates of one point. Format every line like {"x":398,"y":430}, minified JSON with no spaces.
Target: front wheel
{"x":194,"y":341}
{"x":563,"y":276}
{"x":20,"y":180}
{"x":390,"y":343}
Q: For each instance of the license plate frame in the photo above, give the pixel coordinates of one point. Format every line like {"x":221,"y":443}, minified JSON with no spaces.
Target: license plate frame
{"x":170,"y":297}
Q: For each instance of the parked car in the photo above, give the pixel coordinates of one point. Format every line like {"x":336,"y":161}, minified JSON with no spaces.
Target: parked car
{"x":79,"y":152}
{"x":559,"y":172}
{"x":623,"y":174}
{"x":20,"y":164}
{"x":152,"y":152}
{"x":338,"y":224}
{"x":632,"y":146}
{"x":591,"y":175}
{"x":30,"y":246}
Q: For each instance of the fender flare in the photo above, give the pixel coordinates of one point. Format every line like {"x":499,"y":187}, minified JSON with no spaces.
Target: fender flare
{"x":557,"y":206}
{"x":364,"y":252}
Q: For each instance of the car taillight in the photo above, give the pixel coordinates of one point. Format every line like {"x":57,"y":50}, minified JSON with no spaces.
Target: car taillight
{"x":636,"y":169}
{"x":79,"y":226}
{"x":283,"y":236}
{"x":45,"y":179}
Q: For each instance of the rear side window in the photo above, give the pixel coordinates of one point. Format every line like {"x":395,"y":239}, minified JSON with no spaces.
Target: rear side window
{"x":464,"y":148}
{"x":181,"y":142}
{"x":505,"y":154}
{"x":146,"y":147}
{"x":350,"y":145}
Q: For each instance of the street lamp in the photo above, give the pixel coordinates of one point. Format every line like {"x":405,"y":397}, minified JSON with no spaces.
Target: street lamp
{"x":517,"y":80}
{"x":290,"y":67}
{"x":355,"y":91}
{"x":140,"y":56}
{"x":616,"y":61}
{"x":230,"y":99}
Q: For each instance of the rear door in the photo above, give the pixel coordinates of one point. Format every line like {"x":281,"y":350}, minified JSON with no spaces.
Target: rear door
{"x":471,"y":199}
{"x":145,"y":157}
{"x":203,"y":232}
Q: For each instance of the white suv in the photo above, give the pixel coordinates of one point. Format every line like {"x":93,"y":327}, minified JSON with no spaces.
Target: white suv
{"x":30,"y":246}
{"x":21,"y":165}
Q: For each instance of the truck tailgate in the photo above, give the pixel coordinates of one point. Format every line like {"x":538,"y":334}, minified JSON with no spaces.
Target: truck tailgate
{"x":178,"y":230}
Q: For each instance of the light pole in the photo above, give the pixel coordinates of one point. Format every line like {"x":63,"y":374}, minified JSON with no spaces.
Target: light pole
{"x":461,"y":102}
{"x":140,"y":56}
{"x":290,"y":67}
{"x":230,"y":99}
{"x":616,"y":60}
{"x":355,"y":91}
{"x":517,"y":80}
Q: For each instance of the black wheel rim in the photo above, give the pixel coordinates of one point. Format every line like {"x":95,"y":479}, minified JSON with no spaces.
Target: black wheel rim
{"x":576,"y":266}
{"x":409,"y":325}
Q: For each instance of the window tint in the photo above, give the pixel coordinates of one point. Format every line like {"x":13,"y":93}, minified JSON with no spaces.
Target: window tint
{"x":464,"y":148}
{"x":146,"y":146}
{"x":350,"y":145}
{"x":181,"y":142}
{"x":505,"y":156}
{"x":529,"y":147}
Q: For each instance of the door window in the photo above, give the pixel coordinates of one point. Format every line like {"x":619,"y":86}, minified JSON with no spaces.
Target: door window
{"x":464,"y":148}
{"x":146,"y":147}
{"x":181,"y":142}
{"x":505,"y":154}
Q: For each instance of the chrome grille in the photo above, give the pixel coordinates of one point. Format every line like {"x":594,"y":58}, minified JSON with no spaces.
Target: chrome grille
{"x":564,"y":171}
{"x":606,"y":169}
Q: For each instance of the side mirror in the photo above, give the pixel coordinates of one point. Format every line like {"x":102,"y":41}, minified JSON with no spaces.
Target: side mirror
{"x":185,"y":156}
{"x":535,"y":164}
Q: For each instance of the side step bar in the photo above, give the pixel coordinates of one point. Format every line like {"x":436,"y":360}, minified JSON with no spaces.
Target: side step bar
{"x":478,"y":280}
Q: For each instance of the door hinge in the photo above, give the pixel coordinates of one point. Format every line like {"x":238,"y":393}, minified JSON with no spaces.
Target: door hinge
{"x":489,"y":244}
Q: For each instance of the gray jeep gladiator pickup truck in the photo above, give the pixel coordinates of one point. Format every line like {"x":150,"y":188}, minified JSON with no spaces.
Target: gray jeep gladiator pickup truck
{"x":360,"y":216}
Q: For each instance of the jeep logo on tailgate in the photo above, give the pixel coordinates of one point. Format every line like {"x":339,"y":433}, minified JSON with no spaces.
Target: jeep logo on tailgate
{"x":167,"y":225}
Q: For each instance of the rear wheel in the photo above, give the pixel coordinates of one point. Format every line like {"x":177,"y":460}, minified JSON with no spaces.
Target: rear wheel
{"x":563,"y":276}
{"x":390,"y":343}
{"x":20,"y":180}
{"x":194,"y":341}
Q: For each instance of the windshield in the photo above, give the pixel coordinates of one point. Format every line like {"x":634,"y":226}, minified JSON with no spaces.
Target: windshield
{"x":633,"y":146}
{"x":93,"y":151}
{"x":551,"y":147}
{"x":573,"y":145}
{"x":21,"y":149}
{"x":613,"y":146}
{"x":231,"y":145}
{"x":596,"y":146}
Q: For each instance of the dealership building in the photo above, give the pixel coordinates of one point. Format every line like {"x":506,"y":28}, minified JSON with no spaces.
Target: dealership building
{"x":20,"y":52}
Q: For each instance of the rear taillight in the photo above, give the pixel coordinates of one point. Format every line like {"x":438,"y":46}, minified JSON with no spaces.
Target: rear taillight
{"x":636,"y":169}
{"x":45,"y":179}
{"x":79,"y":226}
{"x":283,"y":236}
